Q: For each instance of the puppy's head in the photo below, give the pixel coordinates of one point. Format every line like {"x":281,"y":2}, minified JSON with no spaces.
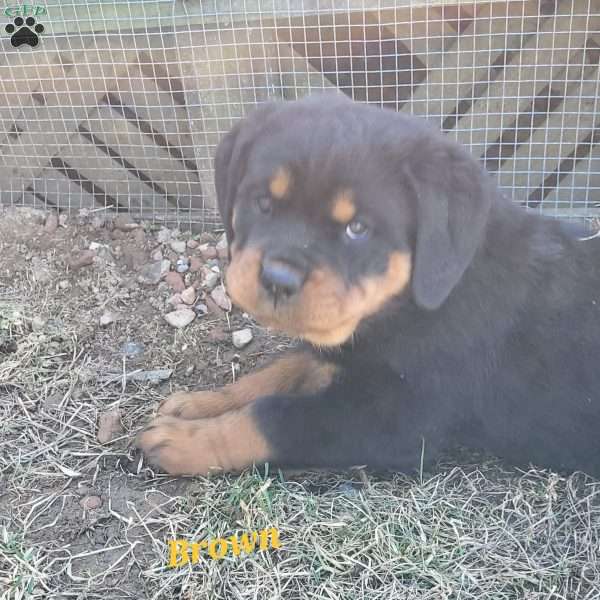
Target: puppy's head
{"x":335,"y":209}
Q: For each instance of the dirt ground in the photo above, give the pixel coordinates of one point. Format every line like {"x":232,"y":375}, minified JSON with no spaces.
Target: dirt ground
{"x":86,"y":355}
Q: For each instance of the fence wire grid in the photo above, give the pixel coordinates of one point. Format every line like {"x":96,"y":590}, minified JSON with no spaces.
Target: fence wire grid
{"x":119,"y":105}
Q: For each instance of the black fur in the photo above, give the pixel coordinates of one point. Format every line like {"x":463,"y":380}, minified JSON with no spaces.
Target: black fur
{"x":495,"y":346}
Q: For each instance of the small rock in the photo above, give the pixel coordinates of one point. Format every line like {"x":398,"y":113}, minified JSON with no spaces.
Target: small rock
{"x":180,"y":318}
{"x":104,"y":255}
{"x":90,"y":502}
{"x":210,"y":278}
{"x":222,"y":243}
{"x":139,"y":235}
{"x":189,"y":295}
{"x":192,"y":244}
{"x":151,"y":273}
{"x":153,"y":377}
{"x":164,"y":235}
{"x":216,"y":334}
{"x":63,"y":220}
{"x":37,"y":323}
{"x":178,"y":246}
{"x":208,"y":251}
{"x":109,"y":317}
{"x":157,"y":254}
{"x":124,"y":223}
{"x":83,"y":259}
{"x":40,"y":271}
{"x":201,"y":309}
{"x":132,"y":349}
{"x":98,"y":221}
{"x":175,"y":281}
{"x":165,"y":266}
{"x":51,"y":224}
{"x":109,"y":426}
{"x":219,"y":295}
{"x":64,"y":284}
{"x":83,"y":489}
{"x":222,"y":248}
{"x":175,"y":300}
{"x":196,"y":264}
{"x":182,"y":265}
{"x":95,"y":246}
{"x":241,"y":338}
{"x":213,"y":307}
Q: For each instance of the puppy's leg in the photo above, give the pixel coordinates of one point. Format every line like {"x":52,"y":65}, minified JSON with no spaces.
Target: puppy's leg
{"x":332,"y":428}
{"x":297,"y":373}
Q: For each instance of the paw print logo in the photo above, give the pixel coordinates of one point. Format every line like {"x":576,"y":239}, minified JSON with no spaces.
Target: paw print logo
{"x":24,"y":32}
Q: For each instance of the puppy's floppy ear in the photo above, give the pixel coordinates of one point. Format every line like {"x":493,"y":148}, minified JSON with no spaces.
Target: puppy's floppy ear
{"x":453,"y":199}
{"x":230,"y":161}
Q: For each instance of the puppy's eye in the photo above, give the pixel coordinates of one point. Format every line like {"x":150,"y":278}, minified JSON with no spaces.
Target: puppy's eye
{"x":264,"y":204}
{"x":357,"y":230}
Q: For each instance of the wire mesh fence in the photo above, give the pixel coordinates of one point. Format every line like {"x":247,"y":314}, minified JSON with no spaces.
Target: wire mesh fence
{"x":119,"y":105}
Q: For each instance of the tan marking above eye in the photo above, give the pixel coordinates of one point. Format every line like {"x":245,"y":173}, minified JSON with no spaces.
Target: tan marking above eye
{"x":343,"y":208}
{"x":279,"y":185}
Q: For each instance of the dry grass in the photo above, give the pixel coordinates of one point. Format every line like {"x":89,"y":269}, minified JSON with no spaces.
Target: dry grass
{"x":469,"y":532}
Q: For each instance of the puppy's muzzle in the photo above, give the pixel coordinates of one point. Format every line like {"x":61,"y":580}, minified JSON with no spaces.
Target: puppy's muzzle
{"x":281,"y":278}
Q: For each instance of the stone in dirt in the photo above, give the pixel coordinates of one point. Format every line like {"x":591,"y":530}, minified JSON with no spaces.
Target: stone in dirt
{"x":192,"y":244}
{"x":175,"y":281}
{"x":210,"y":278}
{"x":201,"y":308}
{"x":180,"y":318}
{"x":154,"y":376}
{"x":124,"y":223}
{"x":189,"y":295}
{"x":208,"y":251}
{"x":195,"y":264}
{"x":109,"y":426}
{"x":37,"y":323}
{"x":164,"y":235}
{"x":219,"y":295}
{"x":178,"y":246}
{"x":222,"y":243}
{"x":40,"y":271}
{"x":182,"y":265}
{"x":242,"y":338}
{"x":175,"y":299}
{"x":213,"y":308}
{"x":83,"y":259}
{"x":222,"y":251}
{"x":51,"y":224}
{"x":150,"y":273}
{"x":165,"y":266}
{"x":109,"y":317}
{"x":90,"y":502}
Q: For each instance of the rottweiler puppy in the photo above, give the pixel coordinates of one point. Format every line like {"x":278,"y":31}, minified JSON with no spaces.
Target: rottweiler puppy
{"x":432,"y":311}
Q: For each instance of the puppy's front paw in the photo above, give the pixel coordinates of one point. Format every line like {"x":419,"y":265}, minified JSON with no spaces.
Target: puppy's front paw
{"x":180,"y":446}
{"x":195,"y":405}
{"x":197,"y":446}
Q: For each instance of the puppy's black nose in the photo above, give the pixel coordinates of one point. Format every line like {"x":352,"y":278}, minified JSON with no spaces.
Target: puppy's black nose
{"x":281,"y":277}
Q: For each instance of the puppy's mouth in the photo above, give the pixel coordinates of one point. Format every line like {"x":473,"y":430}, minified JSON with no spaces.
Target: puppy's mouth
{"x":324,"y":310}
